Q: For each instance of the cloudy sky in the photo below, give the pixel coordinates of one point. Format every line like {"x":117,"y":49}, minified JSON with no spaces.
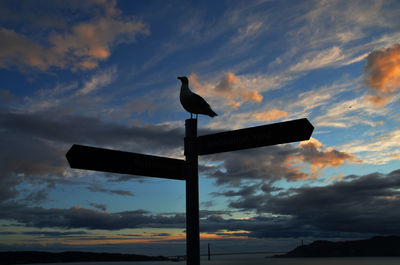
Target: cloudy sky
{"x":103,"y":73}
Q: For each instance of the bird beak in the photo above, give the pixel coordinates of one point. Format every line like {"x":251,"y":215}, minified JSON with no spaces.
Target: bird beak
{"x":180,"y":78}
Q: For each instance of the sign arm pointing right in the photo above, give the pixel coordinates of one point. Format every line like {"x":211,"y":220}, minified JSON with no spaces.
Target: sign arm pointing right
{"x":265,"y":135}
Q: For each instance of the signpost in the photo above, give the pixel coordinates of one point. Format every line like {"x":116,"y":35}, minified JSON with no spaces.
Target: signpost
{"x":99,"y":159}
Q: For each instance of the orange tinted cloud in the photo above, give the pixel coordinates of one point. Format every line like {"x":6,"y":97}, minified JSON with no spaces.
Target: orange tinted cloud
{"x":225,"y":234}
{"x":227,"y":82}
{"x":88,"y":64}
{"x":293,"y":172}
{"x":383,"y":74}
{"x":271,"y":115}
{"x":110,"y":238}
{"x":378,"y":100}
{"x":81,"y":46}
{"x":313,"y":153}
{"x":17,"y":49}
{"x":231,"y":90}
{"x":252,"y":96}
{"x":99,"y":53}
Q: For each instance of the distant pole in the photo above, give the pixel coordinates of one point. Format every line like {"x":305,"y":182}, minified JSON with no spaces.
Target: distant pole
{"x":209,"y":253}
{"x":192,"y":194}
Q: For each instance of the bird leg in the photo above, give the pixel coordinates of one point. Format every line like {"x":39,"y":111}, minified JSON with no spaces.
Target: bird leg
{"x":191,"y":115}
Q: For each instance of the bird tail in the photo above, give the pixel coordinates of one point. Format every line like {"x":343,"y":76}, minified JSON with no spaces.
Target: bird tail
{"x":212,"y":113}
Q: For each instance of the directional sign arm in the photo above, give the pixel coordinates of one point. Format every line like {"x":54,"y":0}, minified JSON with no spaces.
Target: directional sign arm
{"x":265,"y":135}
{"x":106,"y":160}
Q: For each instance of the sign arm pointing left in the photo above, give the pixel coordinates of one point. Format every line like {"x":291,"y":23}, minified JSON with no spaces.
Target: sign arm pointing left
{"x":107,"y":160}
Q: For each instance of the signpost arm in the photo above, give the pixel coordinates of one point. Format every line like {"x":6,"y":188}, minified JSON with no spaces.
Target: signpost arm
{"x":192,"y":194}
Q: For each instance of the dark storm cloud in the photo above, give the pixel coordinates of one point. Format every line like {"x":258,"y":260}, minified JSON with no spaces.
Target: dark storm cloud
{"x":253,"y":164}
{"x":365,"y":205}
{"x":25,"y":157}
{"x":6,"y":233}
{"x":99,"y":206}
{"x":207,"y":204}
{"x":161,"y":234}
{"x":208,"y":213}
{"x":369,"y":204}
{"x":36,"y":144}
{"x":130,"y":235}
{"x":78,"y":217}
{"x":56,"y":234}
{"x":6,"y":96}
{"x":82,"y":129}
{"x":118,"y":192}
{"x":258,"y":226}
{"x":248,"y":190}
{"x":355,"y":207}
{"x":37,"y":196}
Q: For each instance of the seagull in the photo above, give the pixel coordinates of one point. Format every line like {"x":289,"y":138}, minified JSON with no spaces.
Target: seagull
{"x":192,"y":102}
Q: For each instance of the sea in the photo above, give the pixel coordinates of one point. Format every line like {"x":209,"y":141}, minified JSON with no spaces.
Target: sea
{"x":258,"y":259}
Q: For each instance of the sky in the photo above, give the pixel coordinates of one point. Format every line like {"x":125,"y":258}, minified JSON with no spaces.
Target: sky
{"x":104,"y":74}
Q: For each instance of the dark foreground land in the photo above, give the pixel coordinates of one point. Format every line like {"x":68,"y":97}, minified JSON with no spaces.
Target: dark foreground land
{"x":376,"y":246}
{"x":26,"y":257}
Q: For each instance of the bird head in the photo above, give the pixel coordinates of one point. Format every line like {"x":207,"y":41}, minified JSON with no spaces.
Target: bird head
{"x":183,"y":79}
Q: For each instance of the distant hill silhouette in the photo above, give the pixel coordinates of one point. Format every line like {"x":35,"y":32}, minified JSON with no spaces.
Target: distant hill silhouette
{"x":376,"y":246}
{"x":29,"y":257}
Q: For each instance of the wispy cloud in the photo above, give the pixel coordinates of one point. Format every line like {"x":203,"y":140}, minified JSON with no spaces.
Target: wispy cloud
{"x":249,"y":31}
{"x":305,"y":104}
{"x":315,"y":60}
{"x":77,"y":94}
{"x":376,"y":150}
{"x":321,"y":96}
{"x":349,"y":113}
{"x":97,"y":81}
{"x":331,"y":21}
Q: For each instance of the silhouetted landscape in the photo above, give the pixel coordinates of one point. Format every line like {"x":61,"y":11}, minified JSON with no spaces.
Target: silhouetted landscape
{"x":31,"y":257}
{"x":376,"y":246}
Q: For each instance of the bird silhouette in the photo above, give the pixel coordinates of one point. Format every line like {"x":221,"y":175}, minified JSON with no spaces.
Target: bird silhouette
{"x":192,"y":102}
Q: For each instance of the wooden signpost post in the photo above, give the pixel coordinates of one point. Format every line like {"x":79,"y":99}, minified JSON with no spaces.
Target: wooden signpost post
{"x":105,"y":160}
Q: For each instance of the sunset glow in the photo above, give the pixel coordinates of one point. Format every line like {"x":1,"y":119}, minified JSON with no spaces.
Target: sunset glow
{"x":104,"y":74}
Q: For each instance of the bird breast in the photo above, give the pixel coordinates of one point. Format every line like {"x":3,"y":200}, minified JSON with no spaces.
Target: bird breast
{"x":186,"y":98}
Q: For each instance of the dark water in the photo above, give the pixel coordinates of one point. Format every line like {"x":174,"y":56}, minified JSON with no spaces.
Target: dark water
{"x":259,"y":259}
